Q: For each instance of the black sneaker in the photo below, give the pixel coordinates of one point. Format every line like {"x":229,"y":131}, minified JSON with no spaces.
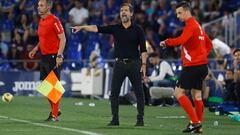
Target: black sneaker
{"x":139,"y":123}
{"x":192,"y":127}
{"x":51,"y":119}
{"x":54,"y":119}
{"x":198,"y":131}
{"x":59,"y":113}
{"x":113,"y":123}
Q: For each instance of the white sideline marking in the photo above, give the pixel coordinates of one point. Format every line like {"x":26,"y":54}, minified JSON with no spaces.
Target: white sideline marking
{"x":17,"y":130}
{"x":171,"y":117}
{"x":50,"y":126}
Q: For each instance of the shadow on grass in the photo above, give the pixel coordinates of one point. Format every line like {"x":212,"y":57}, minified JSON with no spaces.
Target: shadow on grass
{"x":126,"y":127}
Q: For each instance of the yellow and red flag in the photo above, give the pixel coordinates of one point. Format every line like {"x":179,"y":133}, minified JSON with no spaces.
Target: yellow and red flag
{"x":51,"y":88}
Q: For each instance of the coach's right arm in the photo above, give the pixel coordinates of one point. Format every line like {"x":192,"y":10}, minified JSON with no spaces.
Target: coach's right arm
{"x":109,"y":29}
{"x":89,"y":28}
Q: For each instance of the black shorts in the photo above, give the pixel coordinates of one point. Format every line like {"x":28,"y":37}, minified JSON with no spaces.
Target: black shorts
{"x":48,"y":63}
{"x":192,"y":77}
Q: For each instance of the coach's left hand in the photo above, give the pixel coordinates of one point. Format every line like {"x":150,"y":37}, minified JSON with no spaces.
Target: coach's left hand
{"x":143,"y":70}
{"x":59,"y":61}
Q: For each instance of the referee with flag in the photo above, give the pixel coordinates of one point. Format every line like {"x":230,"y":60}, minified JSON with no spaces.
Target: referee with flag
{"x":51,"y":44}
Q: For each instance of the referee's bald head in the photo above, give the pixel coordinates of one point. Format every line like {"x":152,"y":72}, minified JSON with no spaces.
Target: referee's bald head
{"x":49,"y":2}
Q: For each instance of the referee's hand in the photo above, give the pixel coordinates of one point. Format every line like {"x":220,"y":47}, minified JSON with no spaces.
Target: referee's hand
{"x":31,"y":54}
{"x":59,"y":61}
{"x":163,"y":44}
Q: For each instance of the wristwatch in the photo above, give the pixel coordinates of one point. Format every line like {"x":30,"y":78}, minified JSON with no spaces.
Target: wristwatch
{"x":60,"y":56}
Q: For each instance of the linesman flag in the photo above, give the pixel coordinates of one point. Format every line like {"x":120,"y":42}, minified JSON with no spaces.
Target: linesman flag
{"x":51,"y":87}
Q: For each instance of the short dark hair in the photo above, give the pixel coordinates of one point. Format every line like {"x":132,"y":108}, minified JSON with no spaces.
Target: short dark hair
{"x":185,"y":5}
{"x":154,"y":55}
{"x":236,"y":50}
{"x":129,"y":5}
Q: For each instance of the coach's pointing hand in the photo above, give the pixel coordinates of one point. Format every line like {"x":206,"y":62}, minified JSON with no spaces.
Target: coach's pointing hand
{"x":76,"y":29}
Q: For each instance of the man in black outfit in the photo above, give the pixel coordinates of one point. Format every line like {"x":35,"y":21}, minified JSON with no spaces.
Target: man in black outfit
{"x":128,"y":37}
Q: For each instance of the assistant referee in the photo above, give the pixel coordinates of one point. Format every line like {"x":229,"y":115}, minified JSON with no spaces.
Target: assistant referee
{"x":128,"y":38}
{"x":51,"y":43}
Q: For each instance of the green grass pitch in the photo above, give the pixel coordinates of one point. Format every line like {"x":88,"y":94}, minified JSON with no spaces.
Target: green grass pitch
{"x":25,"y":115}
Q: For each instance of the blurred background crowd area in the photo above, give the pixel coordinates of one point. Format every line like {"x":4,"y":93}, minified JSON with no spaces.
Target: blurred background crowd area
{"x":19,"y":23}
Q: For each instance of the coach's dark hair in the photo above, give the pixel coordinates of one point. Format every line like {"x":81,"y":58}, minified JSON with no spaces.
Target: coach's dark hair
{"x":129,"y":5}
{"x":153,"y":55}
{"x":185,"y":5}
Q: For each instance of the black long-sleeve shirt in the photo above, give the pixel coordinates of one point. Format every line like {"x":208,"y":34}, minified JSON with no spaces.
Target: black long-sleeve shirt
{"x":127,"y":41}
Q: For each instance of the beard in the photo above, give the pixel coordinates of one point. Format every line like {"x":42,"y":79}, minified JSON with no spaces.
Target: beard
{"x":125,"y":19}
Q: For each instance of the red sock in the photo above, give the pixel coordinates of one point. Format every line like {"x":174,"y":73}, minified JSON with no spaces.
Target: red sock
{"x":55,"y":109}
{"x":199,"y":107}
{"x":188,"y":108}
{"x":51,"y":103}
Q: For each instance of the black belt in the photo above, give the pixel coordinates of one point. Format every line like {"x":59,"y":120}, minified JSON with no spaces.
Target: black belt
{"x":126,"y":60}
{"x":49,"y":57}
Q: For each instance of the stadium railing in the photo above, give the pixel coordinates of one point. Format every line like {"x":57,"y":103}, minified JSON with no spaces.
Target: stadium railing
{"x":227,"y":28}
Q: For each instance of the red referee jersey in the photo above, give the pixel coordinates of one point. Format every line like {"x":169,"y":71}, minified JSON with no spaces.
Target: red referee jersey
{"x":196,"y":45}
{"x":48,"y":31}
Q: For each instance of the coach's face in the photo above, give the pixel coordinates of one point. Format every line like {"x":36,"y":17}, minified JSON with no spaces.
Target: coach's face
{"x":43,"y":8}
{"x":181,"y":14}
{"x":125,"y":14}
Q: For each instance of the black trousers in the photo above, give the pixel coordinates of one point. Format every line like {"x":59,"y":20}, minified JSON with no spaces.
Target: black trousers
{"x":120,"y":72}
{"x":48,"y":62}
